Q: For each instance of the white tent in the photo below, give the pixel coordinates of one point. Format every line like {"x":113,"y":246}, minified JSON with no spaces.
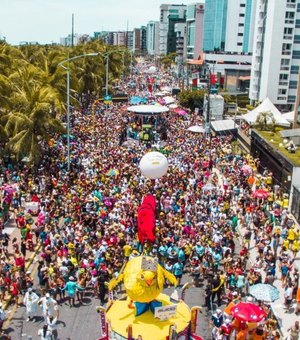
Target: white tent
{"x":223,"y":125}
{"x":289,"y":116}
{"x":265,"y":106}
{"x":196,"y":128}
{"x":169,"y":100}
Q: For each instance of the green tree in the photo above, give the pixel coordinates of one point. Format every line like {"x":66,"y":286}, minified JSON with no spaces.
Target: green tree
{"x":191,"y":99}
{"x":265,"y":121}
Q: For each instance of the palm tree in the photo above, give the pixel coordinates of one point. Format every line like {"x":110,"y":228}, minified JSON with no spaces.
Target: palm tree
{"x":265,"y":120}
{"x":31,"y":117}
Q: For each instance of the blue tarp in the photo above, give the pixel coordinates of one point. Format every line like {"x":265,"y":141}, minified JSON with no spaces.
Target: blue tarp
{"x":138,"y":100}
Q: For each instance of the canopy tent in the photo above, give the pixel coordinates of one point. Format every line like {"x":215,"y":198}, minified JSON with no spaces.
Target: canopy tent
{"x":169,"y":100}
{"x":134,"y":100}
{"x":147,"y":109}
{"x":265,"y":106}
{"x":289,"y":116}
{"x":196,"y":129}
{"x":223,"y":125}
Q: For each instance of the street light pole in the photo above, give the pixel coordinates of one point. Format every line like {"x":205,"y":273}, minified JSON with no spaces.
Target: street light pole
{"x":61,"y":64}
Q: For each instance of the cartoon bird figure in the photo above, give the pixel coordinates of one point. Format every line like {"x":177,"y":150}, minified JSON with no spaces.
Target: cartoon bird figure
{"x":144,"y":280}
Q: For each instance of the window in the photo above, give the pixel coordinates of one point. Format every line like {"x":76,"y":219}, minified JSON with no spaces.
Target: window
{"x":240,"y":34}
{"x":283,"y":76}
{"x":240,"y":44}
{"x":286,"y":49}
{"x":296,"y":54}
{"x":285,"y":62}
{"x":297,"y":39}
{"x":291,"y":99}
{"x":242,"y":14}
{"x":242,"y":25}
{"x":242,"y":5}
{"x":281,"y":92}
{"x":289,"y":15}
{"x":297,"y":23}
{"x":288,"y":30}
{"x":293,"y":84}
{"x":294,"y":69}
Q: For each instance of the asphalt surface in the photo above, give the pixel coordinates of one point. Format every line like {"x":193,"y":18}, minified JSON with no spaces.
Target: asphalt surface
{"x":82,"y":321}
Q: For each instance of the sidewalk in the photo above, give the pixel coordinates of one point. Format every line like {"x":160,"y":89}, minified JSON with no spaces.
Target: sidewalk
{"x":285,"y":320}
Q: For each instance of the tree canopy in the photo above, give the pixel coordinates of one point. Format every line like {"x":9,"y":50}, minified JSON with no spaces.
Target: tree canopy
{"x":33,"y":89}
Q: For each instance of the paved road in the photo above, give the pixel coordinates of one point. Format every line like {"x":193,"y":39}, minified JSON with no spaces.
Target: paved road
{"x":82,"y":322}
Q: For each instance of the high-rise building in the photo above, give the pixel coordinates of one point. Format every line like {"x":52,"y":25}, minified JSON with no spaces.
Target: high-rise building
{"x":215,"y":16}
{"x":153,"y":38}
{"x":194,"y":29}
{"x":169,"y":16}
{"x":240,"y":26}
{"x":276,"y":52}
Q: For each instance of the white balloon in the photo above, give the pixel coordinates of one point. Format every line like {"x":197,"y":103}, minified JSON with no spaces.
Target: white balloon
{"x":154,"y":165}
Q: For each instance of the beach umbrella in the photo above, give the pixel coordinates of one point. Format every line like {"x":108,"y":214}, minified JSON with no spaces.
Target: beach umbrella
{"x":261,"y":193}
{"x":248,"y":312}
{"x":196,"y":129}
{"x":264,"y":292}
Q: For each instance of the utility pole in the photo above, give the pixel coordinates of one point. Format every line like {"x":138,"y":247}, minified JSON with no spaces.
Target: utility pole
{"x":72,"y":35}
{"x":295,"y":121}
{"x":207,"y":118}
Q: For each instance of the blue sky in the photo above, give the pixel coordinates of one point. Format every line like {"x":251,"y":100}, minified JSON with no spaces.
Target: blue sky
{"x":45,"y":21}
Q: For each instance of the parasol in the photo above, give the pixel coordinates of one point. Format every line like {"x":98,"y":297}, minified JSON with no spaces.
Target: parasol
{"x":261,"y":193}
{"x":264,"y":292}
{"x":248,"y":312}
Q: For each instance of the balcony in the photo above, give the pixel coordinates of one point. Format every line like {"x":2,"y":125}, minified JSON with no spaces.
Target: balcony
{"x":262,"y":7}
{"x":256,"y":67}
{"x":259,"y":37}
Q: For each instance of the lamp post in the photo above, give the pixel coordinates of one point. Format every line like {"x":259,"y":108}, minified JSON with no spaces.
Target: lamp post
{"x":61,"y":64}
{"x":106,"y":57}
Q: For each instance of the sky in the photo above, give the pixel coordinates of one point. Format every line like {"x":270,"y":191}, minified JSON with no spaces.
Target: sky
{"x":45,"y":21}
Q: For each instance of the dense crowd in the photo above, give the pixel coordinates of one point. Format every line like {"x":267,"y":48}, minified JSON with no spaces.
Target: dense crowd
{"x":86,"y":222}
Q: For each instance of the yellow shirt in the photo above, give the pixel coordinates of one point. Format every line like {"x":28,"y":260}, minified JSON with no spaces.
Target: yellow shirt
{"x":127,"y":250}
{"x":291,"y":234}
{"x":296,"y":245}
{"x":285,"y":244}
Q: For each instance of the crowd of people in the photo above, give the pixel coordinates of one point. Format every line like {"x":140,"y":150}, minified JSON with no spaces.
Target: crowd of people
{"x":86,"y":221}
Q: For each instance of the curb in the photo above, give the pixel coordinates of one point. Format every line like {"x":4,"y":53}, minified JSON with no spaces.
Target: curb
{"x":29,"y":263}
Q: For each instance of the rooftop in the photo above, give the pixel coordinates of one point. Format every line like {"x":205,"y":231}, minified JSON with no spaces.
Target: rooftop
{"x":277,"y":142}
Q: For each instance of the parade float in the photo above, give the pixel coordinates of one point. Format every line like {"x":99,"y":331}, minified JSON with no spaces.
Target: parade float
{"x":145,"y":312}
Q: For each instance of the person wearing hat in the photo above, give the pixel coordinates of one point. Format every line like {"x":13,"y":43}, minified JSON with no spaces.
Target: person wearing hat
{"x":30,"y":301}
{"x":71,"y":287}
{"x":49,"y":306}
{"x":217,"y":320}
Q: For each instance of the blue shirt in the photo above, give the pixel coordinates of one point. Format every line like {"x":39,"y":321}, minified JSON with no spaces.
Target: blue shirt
{"x":178,"y":268}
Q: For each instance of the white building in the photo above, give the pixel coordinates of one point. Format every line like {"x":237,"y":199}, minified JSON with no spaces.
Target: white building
{"x":153,"y":37}
{"x":194,"y":29}
{"x":240,"y":26}
{"x":276,"y":52}
{"x":169,"y":16}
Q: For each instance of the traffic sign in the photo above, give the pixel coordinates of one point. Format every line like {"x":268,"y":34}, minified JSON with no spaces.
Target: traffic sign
{"x":107,"y":99}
